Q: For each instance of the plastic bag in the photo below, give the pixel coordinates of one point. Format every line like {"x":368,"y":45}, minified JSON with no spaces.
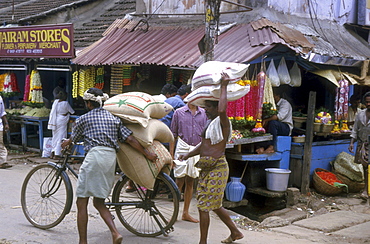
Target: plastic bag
{"x":295,"y":76}
{"x":272,"y":74}
{"x":283,"y":72}
{"x":47,"y":147}
{"x":344,"y":164}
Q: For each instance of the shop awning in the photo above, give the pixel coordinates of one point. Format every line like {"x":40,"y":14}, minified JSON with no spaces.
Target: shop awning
{"x":334,"y":76}
{"x":161,"y":46}
{"x":179,"y":46}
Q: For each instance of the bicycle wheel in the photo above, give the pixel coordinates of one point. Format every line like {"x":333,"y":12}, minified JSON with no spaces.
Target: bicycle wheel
{"x":46,"y":196}
{"x":144,"y":212}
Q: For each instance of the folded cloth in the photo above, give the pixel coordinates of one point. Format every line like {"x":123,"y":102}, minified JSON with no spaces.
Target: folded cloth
{"x":185,"y":167}
{"x":214,"y":131}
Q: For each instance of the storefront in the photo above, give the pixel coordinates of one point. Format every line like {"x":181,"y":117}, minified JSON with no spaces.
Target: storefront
{"x":34,"y":58}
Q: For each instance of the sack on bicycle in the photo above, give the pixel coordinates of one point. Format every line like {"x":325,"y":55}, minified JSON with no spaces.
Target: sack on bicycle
{"x":141,"y":170}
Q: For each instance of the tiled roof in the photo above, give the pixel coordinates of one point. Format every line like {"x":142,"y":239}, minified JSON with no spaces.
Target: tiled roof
{"x":88,"y":33}
{"x":92,"y":31}
{"x":27,"y":8}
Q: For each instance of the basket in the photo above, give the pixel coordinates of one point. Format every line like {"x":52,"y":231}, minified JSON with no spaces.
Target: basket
{"x":324,"y":187}
{"x":299,"y":121}
{"x":299,"y":139}
{"x":327,"y":128}
{"x":353,"y":186}
{"x":316,"y":127}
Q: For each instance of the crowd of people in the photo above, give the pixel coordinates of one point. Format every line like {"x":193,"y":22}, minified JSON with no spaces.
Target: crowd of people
{"x":201,"y":135}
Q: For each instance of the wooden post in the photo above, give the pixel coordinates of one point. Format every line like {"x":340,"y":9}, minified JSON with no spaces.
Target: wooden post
{"x":212,"y":9}
{"x":307,"y":156}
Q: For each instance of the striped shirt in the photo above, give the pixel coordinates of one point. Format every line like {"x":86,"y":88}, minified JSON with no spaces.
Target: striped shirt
{"x":187,"y":126}
{"x":99,"y":127}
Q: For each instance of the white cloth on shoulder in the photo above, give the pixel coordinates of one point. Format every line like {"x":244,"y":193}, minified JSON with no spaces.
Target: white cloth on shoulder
{"x":214,"y":131}
{"x":185,"y":167}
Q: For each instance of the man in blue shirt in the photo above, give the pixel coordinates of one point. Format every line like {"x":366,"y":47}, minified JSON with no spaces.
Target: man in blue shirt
{"x":176,"y":102}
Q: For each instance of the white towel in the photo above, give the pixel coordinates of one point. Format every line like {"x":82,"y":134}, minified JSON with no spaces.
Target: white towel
{"x":185,"y":167}
{"x":214,"y":131}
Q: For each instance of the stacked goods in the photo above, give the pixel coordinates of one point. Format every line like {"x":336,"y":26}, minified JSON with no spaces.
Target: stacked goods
{"x":156,"y":130}
{"x":128,"y":74}
{"x":99,"y":80}
{"x":206,"y":82}
{"x":116,"y":81}
{"x":137,"y":107}
{"x":142,"y":112}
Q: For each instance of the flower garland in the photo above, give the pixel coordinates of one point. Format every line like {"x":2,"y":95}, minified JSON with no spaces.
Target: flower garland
{"x":9,"y":85}
{"x":75,"y":84}
{"x":35,"y":88}
{"x":27,"y":88}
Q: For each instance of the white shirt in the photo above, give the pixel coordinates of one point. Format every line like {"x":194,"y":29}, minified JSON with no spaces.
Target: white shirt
{"x":285,"y":112}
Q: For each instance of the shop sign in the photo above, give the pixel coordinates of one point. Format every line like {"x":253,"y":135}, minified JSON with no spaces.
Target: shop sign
{"x":39,"y":41}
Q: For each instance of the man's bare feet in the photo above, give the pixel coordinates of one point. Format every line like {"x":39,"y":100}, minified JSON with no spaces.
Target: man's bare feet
{"x":232,"y":238}
{"x":270,"y":149}
{"x":260,"y":150}
{"x":118,"y":240}
{"x":187,"y":217}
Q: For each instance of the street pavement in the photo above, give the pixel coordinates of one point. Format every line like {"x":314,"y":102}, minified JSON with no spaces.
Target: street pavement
{"x":343,"y":219}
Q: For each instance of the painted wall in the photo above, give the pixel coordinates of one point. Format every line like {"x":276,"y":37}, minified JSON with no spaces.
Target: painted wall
{"x":176,"y":6}
{"x":342,"y":11}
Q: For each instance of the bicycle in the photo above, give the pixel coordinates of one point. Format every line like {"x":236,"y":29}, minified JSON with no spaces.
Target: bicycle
{"x":47,"y":195}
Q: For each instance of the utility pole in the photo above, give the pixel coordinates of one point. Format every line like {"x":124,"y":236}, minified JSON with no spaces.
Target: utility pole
{"x":212,"y":12}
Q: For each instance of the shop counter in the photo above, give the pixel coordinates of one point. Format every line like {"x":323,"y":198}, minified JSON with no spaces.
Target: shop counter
{"x":255,"y":175}
{"x":33,"y":131}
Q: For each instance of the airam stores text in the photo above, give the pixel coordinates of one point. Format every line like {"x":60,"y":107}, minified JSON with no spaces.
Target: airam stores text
{"x":32,"y":41}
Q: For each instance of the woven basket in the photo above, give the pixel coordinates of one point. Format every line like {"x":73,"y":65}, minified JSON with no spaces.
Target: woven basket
{"x":324,"y":187}
{"x":353,"y":186}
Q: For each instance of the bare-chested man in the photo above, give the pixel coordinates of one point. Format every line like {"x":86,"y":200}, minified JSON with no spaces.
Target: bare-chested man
{"x":214,"y":167}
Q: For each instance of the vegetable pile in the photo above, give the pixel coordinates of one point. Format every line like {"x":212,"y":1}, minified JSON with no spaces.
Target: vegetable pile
{"x":328,"y":177}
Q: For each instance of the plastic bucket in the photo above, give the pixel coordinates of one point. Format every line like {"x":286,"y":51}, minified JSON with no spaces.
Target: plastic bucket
{"x":277,"y":179}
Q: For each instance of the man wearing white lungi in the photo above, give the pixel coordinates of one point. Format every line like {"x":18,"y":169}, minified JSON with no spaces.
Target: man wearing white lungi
{"x":58,"y":122}
{"x":187,"y":126}
{"x":100,"y":132}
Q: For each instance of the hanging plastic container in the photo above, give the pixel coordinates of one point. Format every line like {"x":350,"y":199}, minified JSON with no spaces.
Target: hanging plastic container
{"x":235,"y":190}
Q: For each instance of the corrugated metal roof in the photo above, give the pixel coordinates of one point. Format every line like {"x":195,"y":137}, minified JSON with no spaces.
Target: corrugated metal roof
{"x":162,"y":46}
{"x":178,"y":47}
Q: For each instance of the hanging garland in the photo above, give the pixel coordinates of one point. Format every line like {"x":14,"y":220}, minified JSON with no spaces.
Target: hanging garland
{"x":75,"y":84}
{"x":10,"y":85}
{"x":35,"y":98}
{"x":27,"y":88}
